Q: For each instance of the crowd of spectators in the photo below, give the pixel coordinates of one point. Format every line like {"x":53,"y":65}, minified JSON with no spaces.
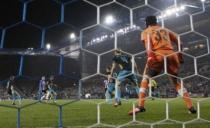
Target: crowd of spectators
{"x":69,"y":88}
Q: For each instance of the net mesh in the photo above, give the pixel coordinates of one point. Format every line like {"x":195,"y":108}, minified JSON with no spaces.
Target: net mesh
{"x":79,"y":67}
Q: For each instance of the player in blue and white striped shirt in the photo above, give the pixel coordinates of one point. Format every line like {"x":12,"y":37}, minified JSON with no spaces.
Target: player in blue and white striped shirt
{"x":42,"y":88}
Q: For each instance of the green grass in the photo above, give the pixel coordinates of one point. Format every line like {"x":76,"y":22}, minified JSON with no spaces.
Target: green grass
{"x":83,"y":113}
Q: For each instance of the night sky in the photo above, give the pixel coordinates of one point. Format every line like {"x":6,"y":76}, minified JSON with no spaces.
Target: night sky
{"x":24,"y":31}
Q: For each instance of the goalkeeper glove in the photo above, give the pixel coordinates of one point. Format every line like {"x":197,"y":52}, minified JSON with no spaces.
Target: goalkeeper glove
{"x":151,"y":58}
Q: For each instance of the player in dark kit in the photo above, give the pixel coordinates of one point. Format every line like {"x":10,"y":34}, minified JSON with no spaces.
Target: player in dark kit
{"x":12,"y":91}
{"x":125,"y":65}
{"x":51,"y":93}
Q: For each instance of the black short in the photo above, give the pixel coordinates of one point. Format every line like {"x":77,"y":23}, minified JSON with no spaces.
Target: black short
{"x":152,"y":73}
{"x":9,"y":91}
{"x":44,"y":91}
{"x":105,"y":90}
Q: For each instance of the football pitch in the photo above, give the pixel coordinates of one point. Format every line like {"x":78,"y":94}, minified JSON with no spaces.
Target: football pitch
{"x":85,"y":113}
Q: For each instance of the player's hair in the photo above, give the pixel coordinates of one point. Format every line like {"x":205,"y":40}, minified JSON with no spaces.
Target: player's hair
{"x":151,"y":20}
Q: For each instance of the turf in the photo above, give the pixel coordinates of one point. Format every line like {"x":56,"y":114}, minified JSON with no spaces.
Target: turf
{"x":83,"y":113}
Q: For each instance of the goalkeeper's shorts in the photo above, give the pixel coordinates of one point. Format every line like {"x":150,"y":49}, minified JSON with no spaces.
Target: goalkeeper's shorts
{"x":157,"y":64}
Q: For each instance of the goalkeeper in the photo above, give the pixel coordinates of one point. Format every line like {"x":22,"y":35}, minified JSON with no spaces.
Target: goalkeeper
{"x":158,"y":43}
